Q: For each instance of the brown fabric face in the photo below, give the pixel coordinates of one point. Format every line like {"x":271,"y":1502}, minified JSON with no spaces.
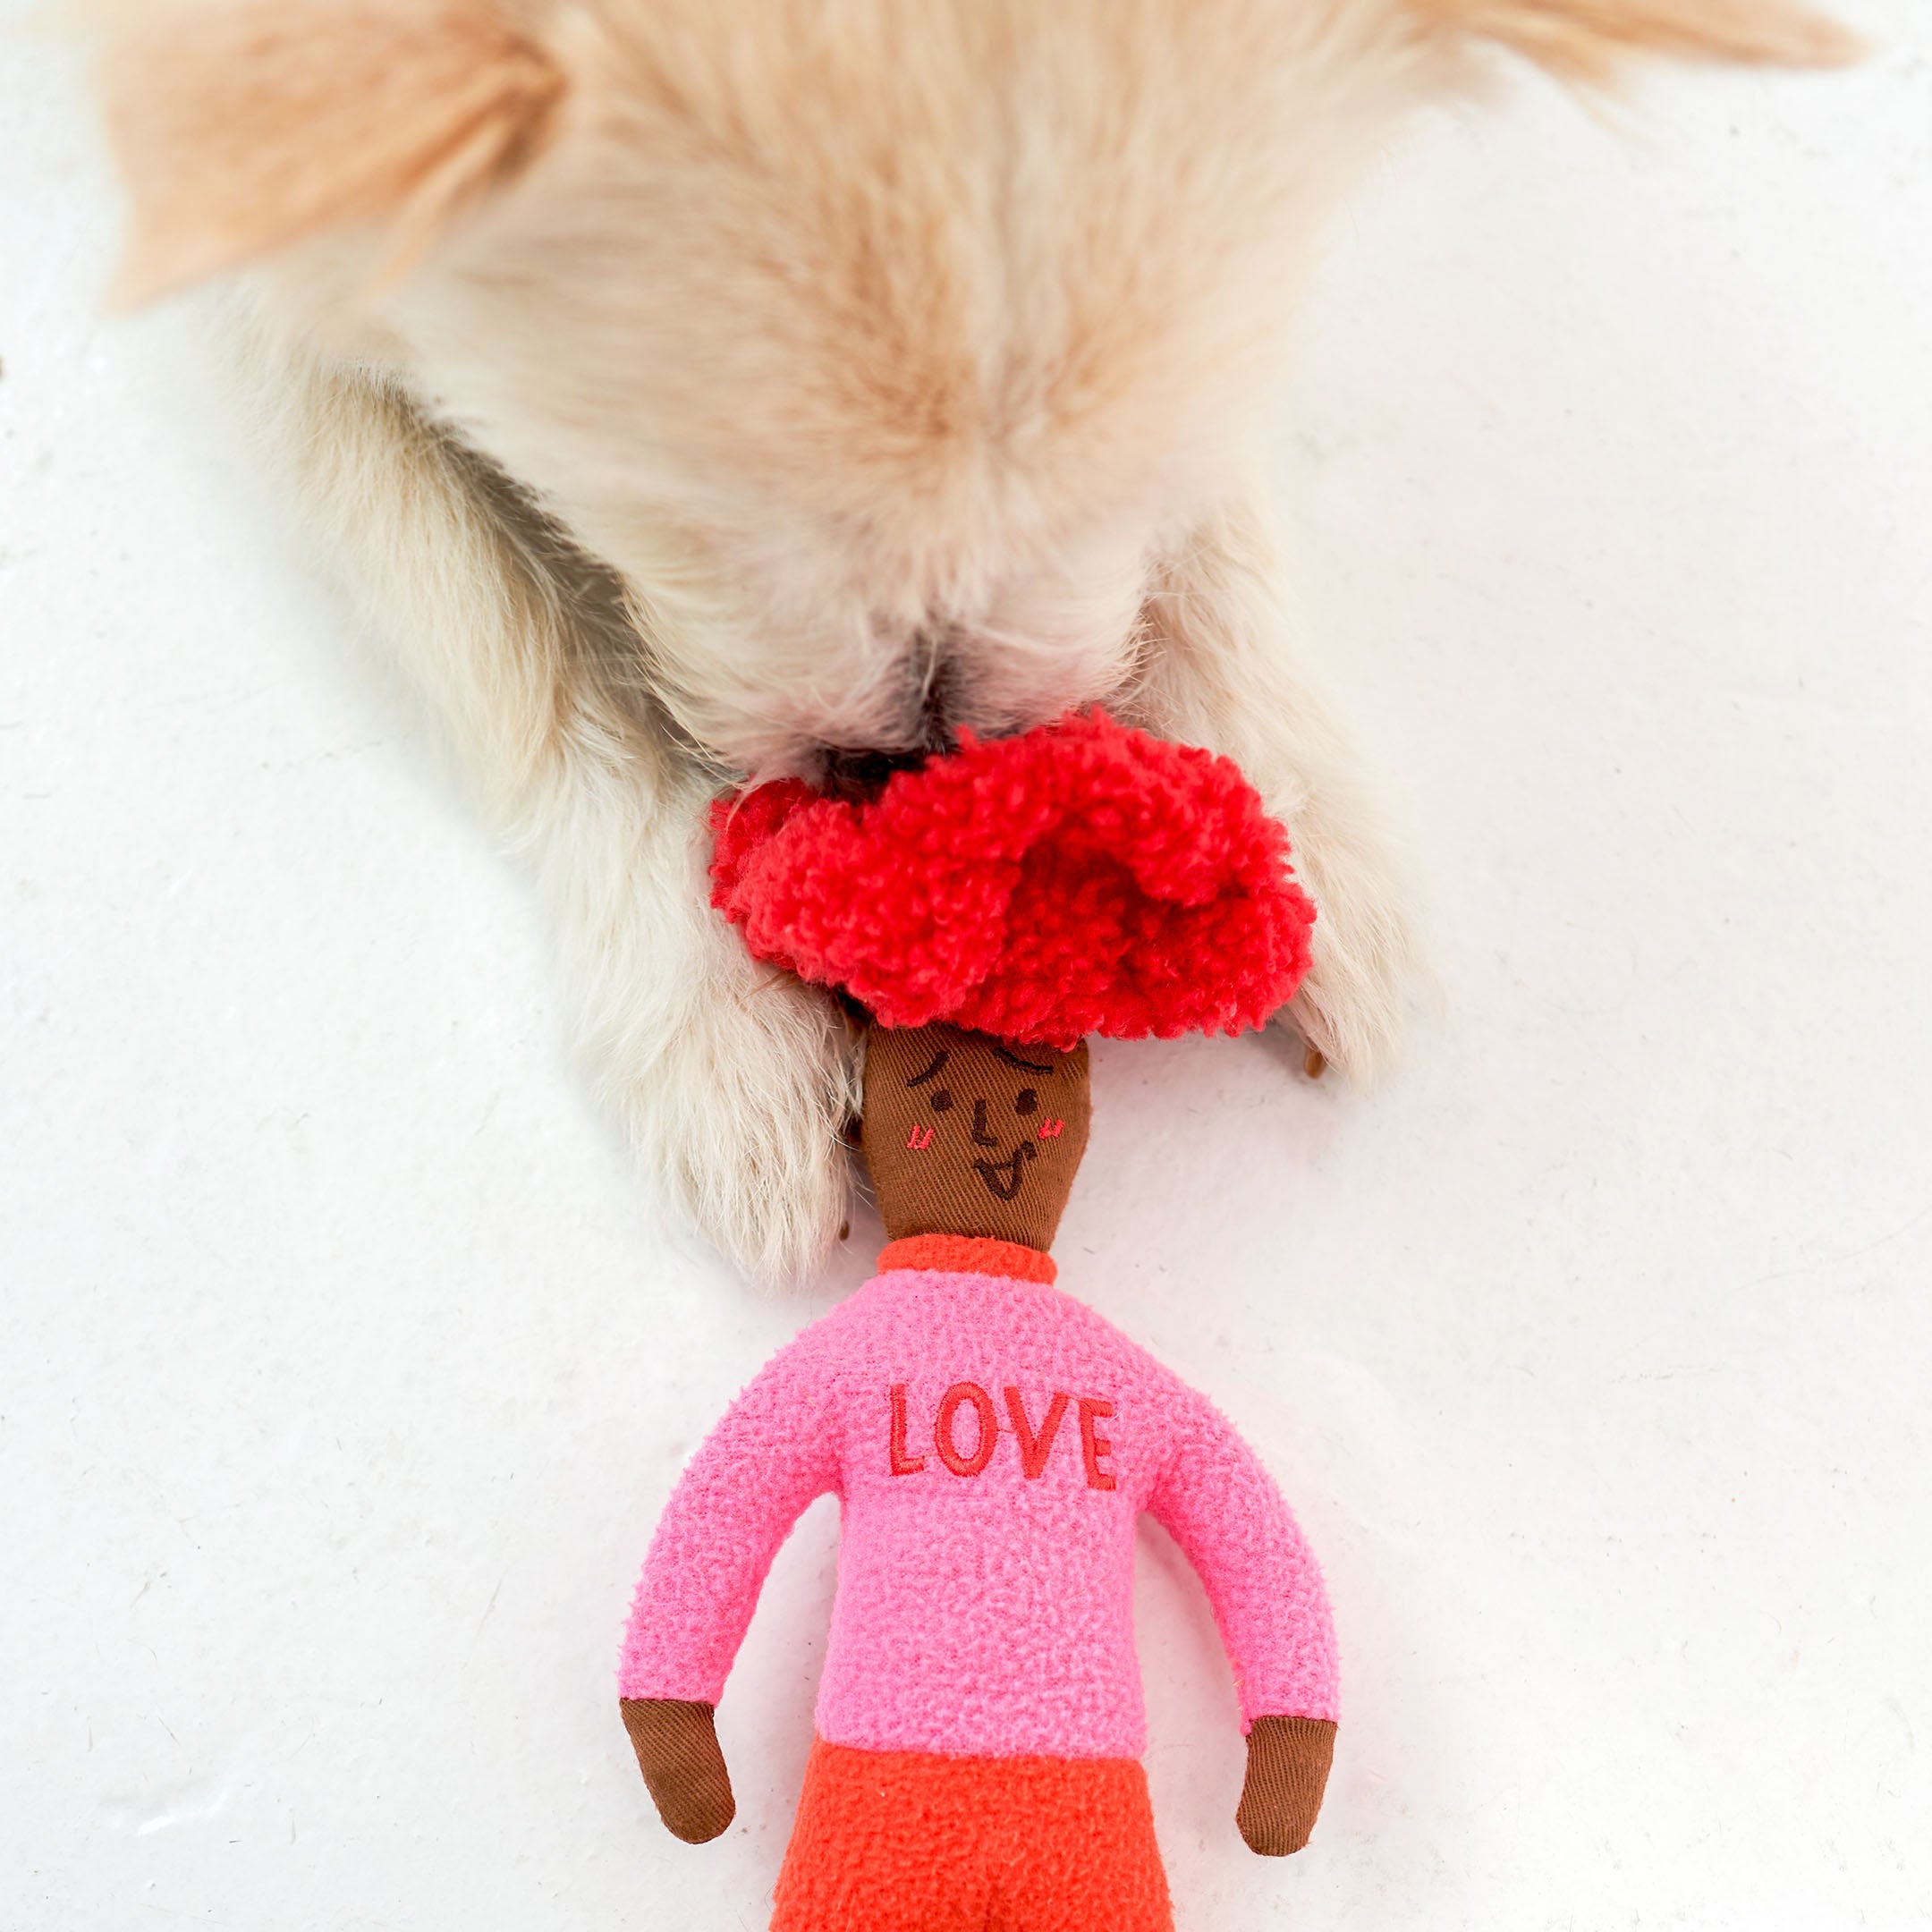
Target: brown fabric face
{"x":964,"y":1134}
{"x":677,"y":1750}
{"x":1288,"y":1760}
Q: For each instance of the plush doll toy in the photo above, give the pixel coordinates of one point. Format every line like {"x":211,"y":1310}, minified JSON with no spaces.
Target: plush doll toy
{"x":991,"y":1440}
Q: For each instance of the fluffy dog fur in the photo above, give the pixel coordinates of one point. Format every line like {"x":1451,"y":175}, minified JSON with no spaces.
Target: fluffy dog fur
{"x":697,"y":388}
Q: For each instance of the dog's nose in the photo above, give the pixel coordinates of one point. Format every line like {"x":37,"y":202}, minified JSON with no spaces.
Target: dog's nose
{"x":858,"y":772}
{"x":858,"y":775}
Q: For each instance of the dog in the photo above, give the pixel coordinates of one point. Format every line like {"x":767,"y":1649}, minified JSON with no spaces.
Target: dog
{"x":697,"y":391}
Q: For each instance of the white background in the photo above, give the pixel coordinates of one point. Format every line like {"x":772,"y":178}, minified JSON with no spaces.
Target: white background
{"x":343,"y":1373}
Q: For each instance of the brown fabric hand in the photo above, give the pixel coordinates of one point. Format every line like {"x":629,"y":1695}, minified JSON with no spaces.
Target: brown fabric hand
{"x":1288,"y":1760}
{"x":677,"y":1750}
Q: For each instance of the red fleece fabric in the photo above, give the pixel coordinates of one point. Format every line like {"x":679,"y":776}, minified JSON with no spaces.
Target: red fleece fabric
{"x":1081,"y":878}
{"x":917,"y":1842}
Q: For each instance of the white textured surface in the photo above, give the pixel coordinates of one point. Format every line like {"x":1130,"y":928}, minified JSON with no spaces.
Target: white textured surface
{"x":342,"y":1375}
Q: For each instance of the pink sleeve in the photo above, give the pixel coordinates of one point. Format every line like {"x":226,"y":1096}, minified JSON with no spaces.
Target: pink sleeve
{"x":1223,"y":1508}
{"x":774,"y":1453}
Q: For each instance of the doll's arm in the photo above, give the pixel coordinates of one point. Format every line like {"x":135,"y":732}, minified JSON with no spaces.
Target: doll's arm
{"x":770,"y":1457}
{"x":1223,"y":1508}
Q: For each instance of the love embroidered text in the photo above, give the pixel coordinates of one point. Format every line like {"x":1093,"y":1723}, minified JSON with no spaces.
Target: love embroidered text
{"x":966,"y":1430}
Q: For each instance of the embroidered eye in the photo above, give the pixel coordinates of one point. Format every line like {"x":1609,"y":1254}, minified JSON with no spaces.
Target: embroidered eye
{"x":942,"y":1100}
{"x":1025,"y":1100}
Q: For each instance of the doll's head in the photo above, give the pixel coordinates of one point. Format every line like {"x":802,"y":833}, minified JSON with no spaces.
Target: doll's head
{"x":1081,"y":878}
{"x":966,"y":1134}
{"x":989,"y":910}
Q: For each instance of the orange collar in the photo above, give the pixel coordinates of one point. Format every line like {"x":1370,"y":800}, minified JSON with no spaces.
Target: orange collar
{"x":968,"y":1254}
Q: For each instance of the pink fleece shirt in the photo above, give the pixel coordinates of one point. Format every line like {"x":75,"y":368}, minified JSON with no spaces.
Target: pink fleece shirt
{"x":991,"y":1442}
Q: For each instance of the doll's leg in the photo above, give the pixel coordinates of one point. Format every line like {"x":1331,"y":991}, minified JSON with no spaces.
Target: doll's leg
{"x":1074,"y":1848}
{"x":883,"y":1843}
{"x":913,"y":1842}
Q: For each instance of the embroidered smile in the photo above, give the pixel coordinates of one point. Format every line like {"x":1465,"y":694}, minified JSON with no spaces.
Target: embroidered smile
{"x":1003,"y":1177}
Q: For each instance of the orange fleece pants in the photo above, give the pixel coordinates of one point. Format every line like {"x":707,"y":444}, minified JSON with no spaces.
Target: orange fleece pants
{"x":917,"y":1842}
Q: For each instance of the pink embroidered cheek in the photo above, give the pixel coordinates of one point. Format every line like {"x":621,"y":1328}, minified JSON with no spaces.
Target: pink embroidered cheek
{"x":920,"y":1139}
{"x":1051,"y":1130}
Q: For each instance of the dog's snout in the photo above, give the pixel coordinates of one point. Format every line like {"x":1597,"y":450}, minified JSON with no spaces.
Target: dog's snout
{"x":858,"y":775}
{"x":931,"y":720}
{"x":940,"y":694}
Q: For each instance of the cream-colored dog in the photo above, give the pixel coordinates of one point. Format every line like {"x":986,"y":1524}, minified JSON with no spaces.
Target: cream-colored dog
{"x":697,"y":388}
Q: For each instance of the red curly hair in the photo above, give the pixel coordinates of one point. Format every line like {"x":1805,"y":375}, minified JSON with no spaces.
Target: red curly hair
{"x":1081,"y":878}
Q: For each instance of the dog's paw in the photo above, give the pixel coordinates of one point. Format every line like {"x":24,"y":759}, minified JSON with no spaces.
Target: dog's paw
{"x":1352,"y":1009}
{"x":738,"y":1124}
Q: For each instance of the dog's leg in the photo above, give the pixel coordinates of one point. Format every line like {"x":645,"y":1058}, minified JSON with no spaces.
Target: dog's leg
{"x":1223,"y":668}
{"x":731,"y":1082}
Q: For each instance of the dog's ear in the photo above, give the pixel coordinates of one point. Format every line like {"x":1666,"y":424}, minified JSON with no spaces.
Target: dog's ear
{"x":242,"y":125}
{"x":1589,"y":40}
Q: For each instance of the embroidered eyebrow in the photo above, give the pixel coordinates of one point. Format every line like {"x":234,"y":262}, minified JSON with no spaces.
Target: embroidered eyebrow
{"x":1025,"y":1066}
{"x":919,"y":1079}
